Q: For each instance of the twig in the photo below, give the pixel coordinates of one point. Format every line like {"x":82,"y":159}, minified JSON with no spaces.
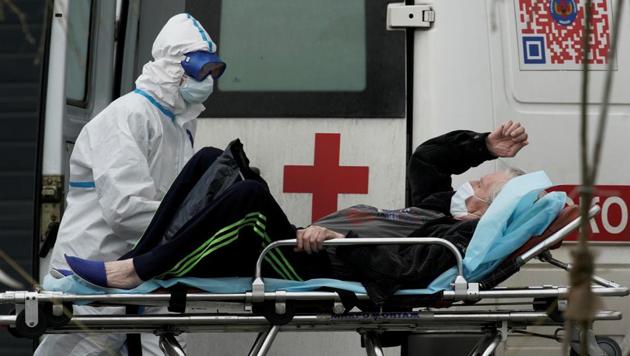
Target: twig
{"x":22,"y":18}
{"x":580,"y":308}
{"x":16,"y":267}
{"x":11,"y":262}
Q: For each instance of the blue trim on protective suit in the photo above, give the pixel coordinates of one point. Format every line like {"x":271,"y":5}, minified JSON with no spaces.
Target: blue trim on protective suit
{"x":155,"y":103}
{"x":75,"y":184}
{"x":190,"y":136}
{"x":201,"y":32}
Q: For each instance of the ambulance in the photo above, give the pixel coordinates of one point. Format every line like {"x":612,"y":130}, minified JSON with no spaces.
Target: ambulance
{"x":331,"y":97}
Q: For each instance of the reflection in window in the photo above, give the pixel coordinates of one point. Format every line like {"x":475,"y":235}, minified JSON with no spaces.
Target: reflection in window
{"x":293,"y":45}
{"x":77,"y":50}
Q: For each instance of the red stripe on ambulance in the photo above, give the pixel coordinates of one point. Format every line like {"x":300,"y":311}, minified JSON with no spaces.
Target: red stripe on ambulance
{"x":611,"y":224}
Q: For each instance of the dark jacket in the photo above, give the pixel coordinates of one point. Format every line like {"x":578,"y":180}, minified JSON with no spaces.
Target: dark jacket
{"x":194,"y":190}
{"x":385,"y":269}
{"x":230,"y":167}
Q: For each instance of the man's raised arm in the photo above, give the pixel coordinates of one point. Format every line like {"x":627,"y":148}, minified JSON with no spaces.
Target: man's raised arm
{"x":432,"y":164}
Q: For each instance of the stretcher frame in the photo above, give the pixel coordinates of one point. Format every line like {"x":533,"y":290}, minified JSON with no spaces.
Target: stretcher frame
{"x":47,"y":312}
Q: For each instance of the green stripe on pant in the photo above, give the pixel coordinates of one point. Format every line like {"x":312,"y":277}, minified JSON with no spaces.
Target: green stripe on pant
{"x":226,"y":236}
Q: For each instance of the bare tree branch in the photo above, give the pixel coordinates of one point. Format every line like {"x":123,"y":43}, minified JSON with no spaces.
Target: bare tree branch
{"x":21,"y":17}
{"x":583,"y":303}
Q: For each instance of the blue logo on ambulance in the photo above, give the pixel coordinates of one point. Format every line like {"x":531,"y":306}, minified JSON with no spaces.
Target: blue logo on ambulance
{"x":563,"y":12}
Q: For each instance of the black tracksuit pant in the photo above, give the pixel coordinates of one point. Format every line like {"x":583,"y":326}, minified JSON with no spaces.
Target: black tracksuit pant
{"x":225,"y":238}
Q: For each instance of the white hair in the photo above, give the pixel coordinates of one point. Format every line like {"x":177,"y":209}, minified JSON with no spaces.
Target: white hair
{"x":510,"y":172}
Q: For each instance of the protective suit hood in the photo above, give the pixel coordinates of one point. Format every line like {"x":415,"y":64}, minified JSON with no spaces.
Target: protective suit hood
{"x":162,"y":76}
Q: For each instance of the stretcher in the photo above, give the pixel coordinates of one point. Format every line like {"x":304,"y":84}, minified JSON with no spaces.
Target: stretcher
{"x":338,"y":306}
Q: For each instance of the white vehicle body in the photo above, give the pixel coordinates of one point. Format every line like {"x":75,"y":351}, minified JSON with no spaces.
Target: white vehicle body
{"x":467,"y":71}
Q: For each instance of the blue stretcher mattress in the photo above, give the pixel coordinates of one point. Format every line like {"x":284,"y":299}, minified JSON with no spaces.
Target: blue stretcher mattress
{"x":515,"y":215}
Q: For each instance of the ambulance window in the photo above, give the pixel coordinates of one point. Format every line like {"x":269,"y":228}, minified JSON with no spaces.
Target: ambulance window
{"x":304,"y":58}
{"x":318,"y":46}
{"x":77,"y":52}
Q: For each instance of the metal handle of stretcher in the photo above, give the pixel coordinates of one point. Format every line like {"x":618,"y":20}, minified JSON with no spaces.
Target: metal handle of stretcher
{"x":541,"y":249}
{"x":460,"y":284}
{"x":556,"y":237}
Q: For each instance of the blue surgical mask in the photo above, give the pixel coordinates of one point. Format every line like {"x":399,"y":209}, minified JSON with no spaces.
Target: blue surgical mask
{"x":196,"y":92}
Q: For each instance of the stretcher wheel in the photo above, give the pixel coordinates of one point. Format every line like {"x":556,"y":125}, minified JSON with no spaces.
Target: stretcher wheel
{"x":24,"y":330}
{"x":268,"y":310}
{"x":12,"y":330}
{"x":607,"y":344}
{"x":58,"y":320}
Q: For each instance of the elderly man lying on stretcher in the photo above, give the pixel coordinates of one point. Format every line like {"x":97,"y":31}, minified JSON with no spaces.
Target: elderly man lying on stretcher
{"x":219,"y":215}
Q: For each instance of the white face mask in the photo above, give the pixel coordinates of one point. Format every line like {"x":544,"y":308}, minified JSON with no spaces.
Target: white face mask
{"x":195,"y":92}
{"x":458,"y":201}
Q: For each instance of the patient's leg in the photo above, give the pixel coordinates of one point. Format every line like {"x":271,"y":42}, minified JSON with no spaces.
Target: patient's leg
{"x":183,"y":184}
{"x":122,"y":274}
{"x":224,"y":239}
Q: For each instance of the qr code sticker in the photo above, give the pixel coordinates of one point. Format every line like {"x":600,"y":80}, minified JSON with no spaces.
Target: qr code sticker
{"x":550,"y":33}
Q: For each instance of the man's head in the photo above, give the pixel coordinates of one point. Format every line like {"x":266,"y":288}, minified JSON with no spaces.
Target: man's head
{"x":484,"y":191}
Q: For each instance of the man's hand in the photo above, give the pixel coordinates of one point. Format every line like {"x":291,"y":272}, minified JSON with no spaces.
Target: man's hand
{"x":507,"y":139}
{"x":312,"y":238}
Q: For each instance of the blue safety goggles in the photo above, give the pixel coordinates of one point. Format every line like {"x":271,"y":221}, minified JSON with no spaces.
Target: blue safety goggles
{"x":200,"y":64}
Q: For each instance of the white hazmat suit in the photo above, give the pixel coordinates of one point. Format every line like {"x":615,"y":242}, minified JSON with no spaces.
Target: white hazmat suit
{"x":123,"y":163}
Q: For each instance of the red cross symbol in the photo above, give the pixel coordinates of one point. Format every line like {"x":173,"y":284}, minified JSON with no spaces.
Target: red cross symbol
{"x":325,"y":179}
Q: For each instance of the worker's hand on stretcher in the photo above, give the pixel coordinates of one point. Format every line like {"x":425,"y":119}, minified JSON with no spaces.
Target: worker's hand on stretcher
{"x":507,"y":139}
{"x":312,"y":238}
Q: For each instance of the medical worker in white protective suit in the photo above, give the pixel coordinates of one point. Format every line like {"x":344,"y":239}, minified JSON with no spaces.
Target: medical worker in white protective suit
{"x":125,"y":160}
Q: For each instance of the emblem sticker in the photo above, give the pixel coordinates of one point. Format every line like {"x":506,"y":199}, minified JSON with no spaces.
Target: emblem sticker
{"x":563,"y":12}
{"x":550,"y":34}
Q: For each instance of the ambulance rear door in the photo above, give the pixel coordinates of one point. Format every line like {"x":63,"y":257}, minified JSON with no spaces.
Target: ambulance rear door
{"x":485,"y":62}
